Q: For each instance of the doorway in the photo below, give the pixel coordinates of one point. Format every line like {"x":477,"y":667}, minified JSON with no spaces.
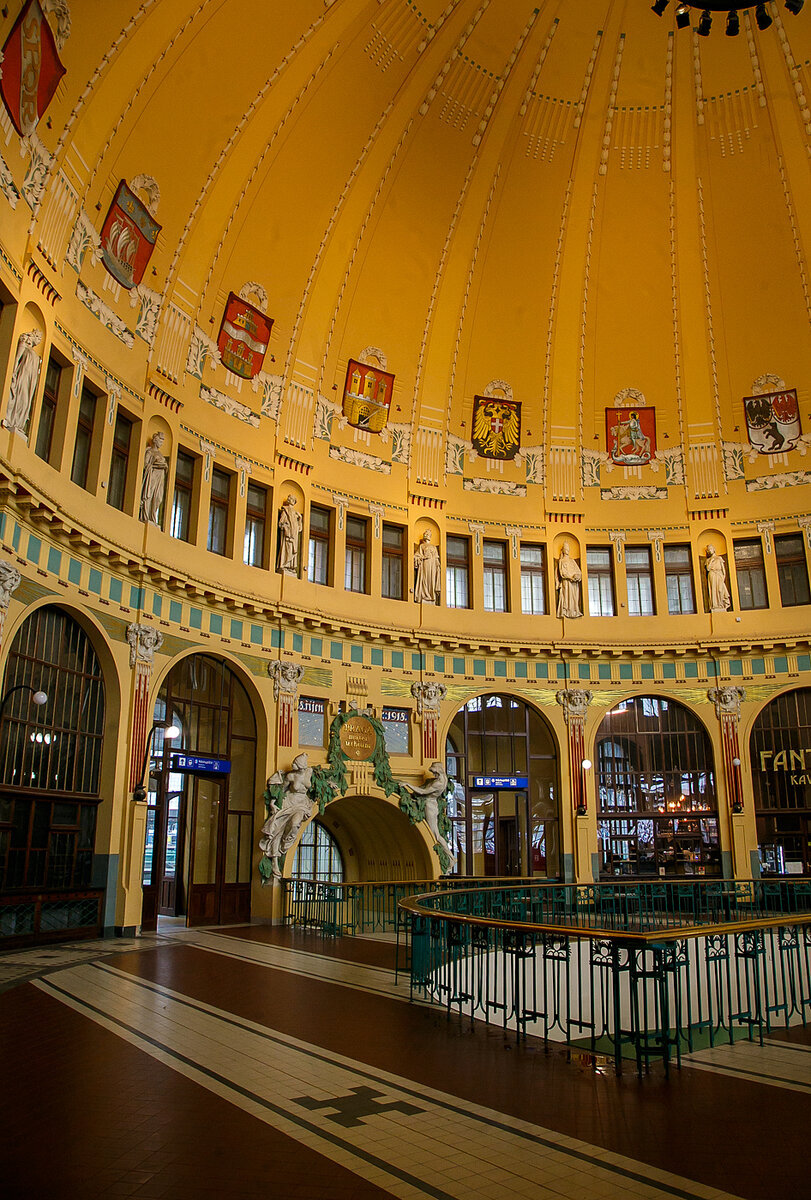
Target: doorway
{"x":199,"y":841}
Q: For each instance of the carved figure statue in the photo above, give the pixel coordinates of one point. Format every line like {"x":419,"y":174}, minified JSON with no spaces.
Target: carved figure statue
{"x":24,"y":379}
{"x":720,"y":599}
{"x":568,"y":577}
{"x":289,"y":534}
{"x":281,"y":828}
{"x":432,"y":791}
{"x":428,"y":583}
{"x":153,"y":485}
{"x":9,"y":581}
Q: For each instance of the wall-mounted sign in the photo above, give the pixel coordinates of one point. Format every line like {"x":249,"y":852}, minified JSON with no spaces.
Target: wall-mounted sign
{"x":500,"y":781}
{"x":206,"y":766}
{"x":358,"y":739}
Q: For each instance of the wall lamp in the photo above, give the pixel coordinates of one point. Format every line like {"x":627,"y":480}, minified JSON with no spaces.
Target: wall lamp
{"x":169,"y":731}
{"x":732,"y":9}
{"x":38,"y":698}
{"x":582,"y":808}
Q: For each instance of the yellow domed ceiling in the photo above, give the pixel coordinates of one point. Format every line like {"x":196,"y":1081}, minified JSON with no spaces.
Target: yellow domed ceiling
{"x":570,"y":206}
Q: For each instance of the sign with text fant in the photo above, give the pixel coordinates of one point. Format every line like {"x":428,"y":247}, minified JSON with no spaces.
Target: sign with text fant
{"x":194,"y":762}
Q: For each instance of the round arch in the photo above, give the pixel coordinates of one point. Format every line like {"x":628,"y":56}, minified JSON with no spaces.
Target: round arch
{"x":503,"y":756}
{"x":376,"y":840}
{"x":657,"y":806}
{"x":780,"y":762}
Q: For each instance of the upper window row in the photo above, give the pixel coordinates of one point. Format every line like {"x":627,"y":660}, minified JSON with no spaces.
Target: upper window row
{"x":396,"y":567}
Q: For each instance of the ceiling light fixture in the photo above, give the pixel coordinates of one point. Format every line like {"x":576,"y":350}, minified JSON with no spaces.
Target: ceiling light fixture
{"x":759,"y":9}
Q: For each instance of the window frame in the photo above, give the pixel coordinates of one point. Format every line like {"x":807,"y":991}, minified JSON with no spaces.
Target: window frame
{"x":85,"y":436}
{"x":532,"y":575}
{"x":745,"y":574}
{"x":603,"y":577}
{"x":119,"y":456}
{"x":48,"y":408}
{"x":356,"y":555}
{"x":219,"y":509}
{"x":320,"y":542}
{"x":256,"y":519}
{"x":787,"y":579}
{"x":673,"y":571}
{"x":457,"y":568}
{"x":495,"y":577}
{"x":392,"y":560}
{"x":635,"y":576}
{"x":183,"y":492}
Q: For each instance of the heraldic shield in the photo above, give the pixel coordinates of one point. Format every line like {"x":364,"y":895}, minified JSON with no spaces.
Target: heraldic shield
{"x":496,"y":427}
{"x":31,"y":68}
{"x":367,"y":396}
{"x":773,"y":421}
{"x":128,"y":236}
{"x":243,"y":337}
{"x":630,"y":435}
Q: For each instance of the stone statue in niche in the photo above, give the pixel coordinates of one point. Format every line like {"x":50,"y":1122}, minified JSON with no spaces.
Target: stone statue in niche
{"x":568,"y":577}
{"x":283,"y":823}
{"x":153,"y":486}
{"x":720,"y":600}
{"x":24,"y":379}
{"x":289,"y":535}
{"x":428,"y":583}
{"x":432,"y":792}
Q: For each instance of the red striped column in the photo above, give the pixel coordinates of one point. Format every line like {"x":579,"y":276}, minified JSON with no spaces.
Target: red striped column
{"x":727,"y":701}
{"x":143,"y":642}
{"x":575,"y":703}
{"x":286,"y":677}
{"x":429,"y":697}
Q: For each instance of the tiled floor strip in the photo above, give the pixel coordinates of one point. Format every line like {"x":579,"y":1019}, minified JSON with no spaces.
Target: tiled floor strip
{"x":412,"y":1140}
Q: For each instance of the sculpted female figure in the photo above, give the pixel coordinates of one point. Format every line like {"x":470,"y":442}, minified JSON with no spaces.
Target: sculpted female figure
{"x":426,"y":560}
{"x":289,"y":532}
{"x":23,"y":381}
{"x":720,"y":599}
{"x":568,"y":577}
{"x":153,"y":486}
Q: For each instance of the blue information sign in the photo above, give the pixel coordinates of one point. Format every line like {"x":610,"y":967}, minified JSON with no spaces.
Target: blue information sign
{"x":501,"y":781}
{"x":193,"y":762}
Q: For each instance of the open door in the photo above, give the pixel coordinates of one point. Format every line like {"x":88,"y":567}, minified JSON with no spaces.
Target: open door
{"x":219,"y":887}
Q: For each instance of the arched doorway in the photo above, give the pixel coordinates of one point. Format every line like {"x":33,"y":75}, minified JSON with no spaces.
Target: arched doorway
{"x":781,"y":781}
{"x":318,"y":855}
{"x":199,"y":842}
{"x":50,"y":764}
{"x":657,"y":811}
{"x":502,"y":757}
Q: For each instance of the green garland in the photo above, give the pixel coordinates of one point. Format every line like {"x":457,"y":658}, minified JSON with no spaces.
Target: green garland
{"x":331,"y":781}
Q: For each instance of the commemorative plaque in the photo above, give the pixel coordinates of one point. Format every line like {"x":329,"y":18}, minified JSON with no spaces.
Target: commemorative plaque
{"x":358,"y":739}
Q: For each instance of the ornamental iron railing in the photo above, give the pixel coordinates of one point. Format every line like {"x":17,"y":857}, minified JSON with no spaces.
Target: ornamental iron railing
{"x":640,"y":971}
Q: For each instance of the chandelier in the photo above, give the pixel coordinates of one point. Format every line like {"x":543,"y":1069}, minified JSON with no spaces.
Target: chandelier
{"x":732,"y":9}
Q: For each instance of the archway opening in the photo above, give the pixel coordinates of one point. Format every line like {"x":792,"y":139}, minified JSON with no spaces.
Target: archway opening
{"x":781,"y":781}
{"x":50,"y":770}
{"x":199,"y":839}
{"x":504,"y":810}
{"x":657,"y":811}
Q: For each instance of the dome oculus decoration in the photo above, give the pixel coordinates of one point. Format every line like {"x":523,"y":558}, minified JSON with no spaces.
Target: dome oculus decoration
{"x":708,"y":7}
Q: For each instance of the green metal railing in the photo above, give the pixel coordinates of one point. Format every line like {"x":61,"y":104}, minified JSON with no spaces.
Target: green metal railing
{"x":357,"y":908}
{"x":647,"y":971}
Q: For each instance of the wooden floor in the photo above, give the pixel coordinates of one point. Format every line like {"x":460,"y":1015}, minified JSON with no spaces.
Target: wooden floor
{"x":250,"y":1062}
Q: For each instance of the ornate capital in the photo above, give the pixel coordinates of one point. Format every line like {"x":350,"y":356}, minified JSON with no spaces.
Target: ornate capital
{"x":574,"y":702}
{"x":286,"y":677}
{"x":341,"y":503}
{"x":429,"y":696}
{"x":143,"y":640}
{"x":766,"y":528}
{"x":9,"y":582}
{"x":617,"y":536}
{"x":377,"y":511}
{"x":657,"y":536}
{"x":209,"y":451}
{"x":727,"y":701}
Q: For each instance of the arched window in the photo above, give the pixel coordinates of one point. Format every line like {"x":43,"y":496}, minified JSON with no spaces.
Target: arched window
{"x":50,"y":762}
{"x":780,"y":755}
{"x":657,"y":809}
{"x":318,"y":855}
{"x":502,"y":759}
